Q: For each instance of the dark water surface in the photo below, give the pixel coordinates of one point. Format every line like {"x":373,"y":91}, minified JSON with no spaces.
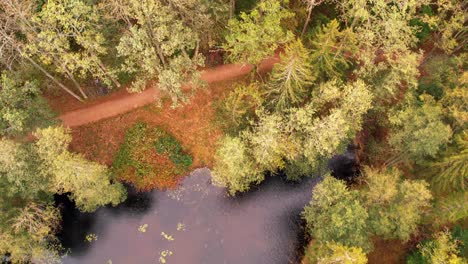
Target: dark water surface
{"x":262,"y":226}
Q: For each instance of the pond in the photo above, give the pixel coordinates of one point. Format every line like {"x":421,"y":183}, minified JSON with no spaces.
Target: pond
{"x":196,"y":223}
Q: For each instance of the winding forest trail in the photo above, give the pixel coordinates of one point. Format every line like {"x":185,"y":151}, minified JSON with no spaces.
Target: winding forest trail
{"x":119,"y":105}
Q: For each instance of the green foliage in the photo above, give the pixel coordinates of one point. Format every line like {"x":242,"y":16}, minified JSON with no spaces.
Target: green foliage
{"x":168,"y":145}
{"x":291,"y":78}
{"x":19,"y":171}
{"x":334,"y":253}
{"x":21,"y":107}
{"x":331,"y":49}
{"x":425,"y":29}
{"x":298,"y":140}
{"x":441,"y":74}
{"x":441,"y":249}
{"x":418,"y":131}
{"x":151,"y":49}
{"x":268,"y":142}
{"x":68,"y":38}
{"x":386,"y":60}
{"x":258,"y":34}
{"x":30,"y":173}
{"x":89,"y":182}
{"x":150,"y":158}
{"x":239,"y":106}
{"x":450,"y":208}
{"x":29,"y":235}
{"x":395,"y":206}
{"x":461,"y":235}
{"x":449,"y":24}
{"x":234,"y":167}
{"x":329,"y":133}
{"x":336,"y":215}
{"x":451,"y":172}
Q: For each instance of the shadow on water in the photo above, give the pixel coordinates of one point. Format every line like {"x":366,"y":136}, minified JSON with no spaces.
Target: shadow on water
{"x":204,"y":224}
{"x":345,"y":166}
{"x":76,"y":225}
{"x":199,"y":223}
{"x":137,"y":203}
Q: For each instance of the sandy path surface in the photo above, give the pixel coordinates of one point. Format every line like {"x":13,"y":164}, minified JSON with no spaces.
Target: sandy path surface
{"x":127,"y":102}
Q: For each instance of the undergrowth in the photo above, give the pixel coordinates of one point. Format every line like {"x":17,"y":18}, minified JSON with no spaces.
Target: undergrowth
{"x":150,"y":158}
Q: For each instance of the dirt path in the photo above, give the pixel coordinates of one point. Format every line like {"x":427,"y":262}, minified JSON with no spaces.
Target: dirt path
{"x":127,"y":102}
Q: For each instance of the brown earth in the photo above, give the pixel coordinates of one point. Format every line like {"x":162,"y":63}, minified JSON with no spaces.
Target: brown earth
{"x":123,"y":102}
{"x":193,"y":124}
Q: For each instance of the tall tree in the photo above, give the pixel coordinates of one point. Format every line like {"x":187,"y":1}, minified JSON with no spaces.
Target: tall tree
{"x":88,"y":182}
{"x":395,"y":206}
{"x":332,"y":49}
{"x":27,"y":235}
{"x":291,"y":77}
{"x":311,"y":4}
{"x":450,"y":24}
{"x":21,"y":106}
{"x":15,"y":23}
{"x":386,"y":58}
{"x":451,"y":171}
{"x":259,"y":33}
{"x":234,"y":167}
{"x":268,"y":141}
{"x":336,"y":215}
{"x":418,"y":131}
{"x":442,"y":249}
{"x":68,"y":37}
{"x":159,"y":45}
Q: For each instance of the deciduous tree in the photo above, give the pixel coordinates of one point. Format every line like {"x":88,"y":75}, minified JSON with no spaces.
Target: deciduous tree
{"x":336,"y":215}
{"x":395,"y":206}
{"x":68,"y":37}
{"x":89,"y":182}
{"x":442,"y":249}
{"x":159,"y":45}
{"x":258,"y":34}
{"x":234,"y":167}
{"x":21,"y":106}
{"x":418,"y":131}
{"x":339,"y":254}
{"x":15,"y":23}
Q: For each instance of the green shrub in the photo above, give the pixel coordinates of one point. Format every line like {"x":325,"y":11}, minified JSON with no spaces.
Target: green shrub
{"x":168,"y":145}
{"x":424,"y":29}
{"x":150,"y":158}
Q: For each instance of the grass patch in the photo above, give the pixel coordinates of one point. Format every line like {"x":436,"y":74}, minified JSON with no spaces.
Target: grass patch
{"x":150,"y":158}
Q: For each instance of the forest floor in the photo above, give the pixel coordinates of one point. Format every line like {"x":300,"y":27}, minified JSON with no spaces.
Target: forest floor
{"x":99,"y":125}
{"x":77,"y":114}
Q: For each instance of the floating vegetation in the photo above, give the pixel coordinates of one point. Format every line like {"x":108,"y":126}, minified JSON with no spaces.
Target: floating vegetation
{"x":142,"y":228}
{"x":179,"y":193}
{"x":91,"y":237}
{"x":167,"y":236}
{"x":163,"y":255}
{"x":180,"y":227}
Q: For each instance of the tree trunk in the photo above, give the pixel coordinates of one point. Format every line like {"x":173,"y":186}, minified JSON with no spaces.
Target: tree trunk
{"x":106,"y":72}
{"x":53,"y":79}
{"x":232,"y":8}
{"x":195,"y":53}
{"x":77,"y":85}
{"x":307,"y":21}
{"x":40,"y":68}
